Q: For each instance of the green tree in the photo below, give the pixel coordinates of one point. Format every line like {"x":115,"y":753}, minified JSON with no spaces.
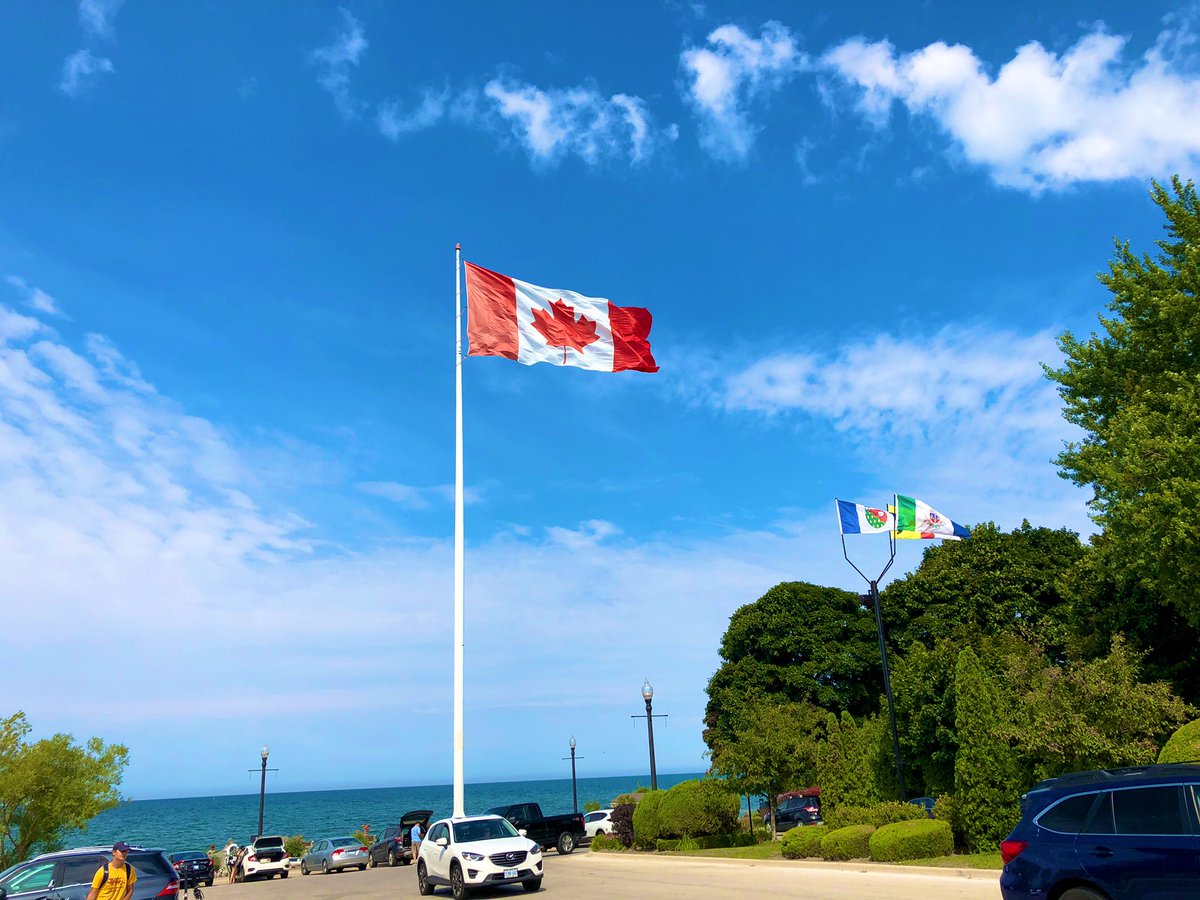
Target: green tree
{"x":798,"y":643}
{"x":846,"y":769}
{"x":1135,"y":392}
{"x":987,"y":785}
{"x":51,"y":786}
{"x":923,"y":690}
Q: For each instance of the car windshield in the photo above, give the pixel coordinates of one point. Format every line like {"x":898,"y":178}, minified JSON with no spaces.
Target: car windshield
{"x":483,"y":830}
{"x":191,"y":854}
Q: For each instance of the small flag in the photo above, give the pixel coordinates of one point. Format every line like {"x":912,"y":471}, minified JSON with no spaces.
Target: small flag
{"x":855,"y":518}
{"x":916,"y":520}
{"x":531,"y":324}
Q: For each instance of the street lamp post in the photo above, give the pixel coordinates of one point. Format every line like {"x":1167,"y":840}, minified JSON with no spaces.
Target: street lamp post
{"x":262,"y":789}
{"x":648,"y":696}
{"x":574,"y":794}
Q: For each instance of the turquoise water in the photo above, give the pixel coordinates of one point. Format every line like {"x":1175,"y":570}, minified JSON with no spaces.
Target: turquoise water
{"x":192,"y":823}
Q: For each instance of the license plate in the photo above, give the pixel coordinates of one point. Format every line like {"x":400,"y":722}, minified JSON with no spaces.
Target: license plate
{"x":510,"y":873}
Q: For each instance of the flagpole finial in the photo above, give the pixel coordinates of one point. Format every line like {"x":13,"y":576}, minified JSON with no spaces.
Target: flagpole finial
{"x":458,"y":246}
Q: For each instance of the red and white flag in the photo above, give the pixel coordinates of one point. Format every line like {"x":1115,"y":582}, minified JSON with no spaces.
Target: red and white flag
{"x":532,"y":324}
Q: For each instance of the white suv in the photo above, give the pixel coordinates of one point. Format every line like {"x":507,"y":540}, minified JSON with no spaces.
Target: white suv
{"x":474,"y":852}
{"x":265,"y":858}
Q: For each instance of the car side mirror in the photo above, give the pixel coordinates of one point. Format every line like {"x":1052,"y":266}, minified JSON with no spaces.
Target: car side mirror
{"x":442,"y":842}
{"x":521,"y":831}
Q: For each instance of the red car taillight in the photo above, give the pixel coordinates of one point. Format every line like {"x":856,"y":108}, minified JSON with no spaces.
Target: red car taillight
{"x":171,"y":890}
{"x":363,"y":849}
{"x":338,"y":852}
{"x":1010,"y":850}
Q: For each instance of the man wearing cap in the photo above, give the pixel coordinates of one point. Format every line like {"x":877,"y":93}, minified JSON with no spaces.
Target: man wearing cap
{"x":115,"y":879}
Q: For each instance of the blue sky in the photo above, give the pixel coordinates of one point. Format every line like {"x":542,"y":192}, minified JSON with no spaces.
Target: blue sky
{"x":226,"y":346}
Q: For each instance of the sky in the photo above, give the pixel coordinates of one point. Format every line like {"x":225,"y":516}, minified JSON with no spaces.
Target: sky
{"x":227,"y":298}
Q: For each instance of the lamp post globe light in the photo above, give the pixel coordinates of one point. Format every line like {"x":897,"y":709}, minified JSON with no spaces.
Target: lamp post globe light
{"x":262,"y":790}
{"x":648,"y":696}
{"x":574,"y":794}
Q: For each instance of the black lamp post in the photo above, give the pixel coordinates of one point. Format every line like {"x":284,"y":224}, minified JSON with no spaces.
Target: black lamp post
{"x":574,"y":794}
{"x":648,"y":696}
{"x":262,"y":789}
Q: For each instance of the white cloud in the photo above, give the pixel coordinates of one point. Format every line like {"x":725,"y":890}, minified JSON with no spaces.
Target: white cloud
{"x":96,"y":15}
{"x":35,"y":297}
{"x":336,"y":61}
{"x":552,"y":123}
{"x":394,"y":122}
{"x":1043,"y":120}
{"x":730,"y":72}
{"x":78,"y":70}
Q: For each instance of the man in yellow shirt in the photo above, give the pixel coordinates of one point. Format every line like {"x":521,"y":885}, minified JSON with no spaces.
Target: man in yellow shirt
{"x":114,"y":880}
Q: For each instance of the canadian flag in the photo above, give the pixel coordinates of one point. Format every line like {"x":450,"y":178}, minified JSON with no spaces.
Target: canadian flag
{"x":531,"y":324}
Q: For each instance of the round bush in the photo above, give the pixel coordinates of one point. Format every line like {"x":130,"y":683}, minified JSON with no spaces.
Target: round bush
{"x":878,"y":815}
{"x":646,"y":826}
{"x":851,"y":842}
{"x":622,"y":821}
{"x":696,"y":808}
{"x":606,"y":843}
{"x":803,"y":841}
{"x":1183,"y":745}
{"x":916,"y":839}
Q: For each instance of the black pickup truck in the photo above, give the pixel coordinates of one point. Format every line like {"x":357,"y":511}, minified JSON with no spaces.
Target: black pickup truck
{"x":395,"y":847}
{"x":561,"y":832}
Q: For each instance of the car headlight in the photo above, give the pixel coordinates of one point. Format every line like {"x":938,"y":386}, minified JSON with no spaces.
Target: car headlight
{"x":535,"y":849}
{"x":474,"y":857}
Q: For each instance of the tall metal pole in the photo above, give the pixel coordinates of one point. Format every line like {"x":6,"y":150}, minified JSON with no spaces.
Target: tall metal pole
{"x":458,"y":538}
{"x":262,"y":790}
{"x":650,"y":732}
{"x":887,"y":688}
{"x":574,"y":794}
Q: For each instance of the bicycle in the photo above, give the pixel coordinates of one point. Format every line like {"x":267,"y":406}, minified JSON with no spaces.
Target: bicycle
{"x":189,"y":883}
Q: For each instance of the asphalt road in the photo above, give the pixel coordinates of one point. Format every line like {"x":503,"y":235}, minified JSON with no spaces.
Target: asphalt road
{"x":602,"y":876}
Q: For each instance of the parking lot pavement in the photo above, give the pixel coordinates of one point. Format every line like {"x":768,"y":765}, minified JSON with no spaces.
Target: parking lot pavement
{"x":585,"y":876}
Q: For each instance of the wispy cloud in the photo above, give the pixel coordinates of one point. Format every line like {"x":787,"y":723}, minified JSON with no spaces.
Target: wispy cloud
{"x":551,"y":123}
{"x":393,"y":121}
{"x":1044,"y":120}
{"x":728,"y":74}
{"x":96,"y":16}
{"x":35,"y":297}
{"x":337,"y":60}
{"x":79,"y":69}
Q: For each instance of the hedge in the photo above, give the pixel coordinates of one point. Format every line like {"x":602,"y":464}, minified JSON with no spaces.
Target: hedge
{"x":803,"y":841}
{"x":1183,"y":745}
{"x":851,"y":842}
{"x":646,"y":824}
{"x":695,"y":808}
{"x":918,"y":839}
{"x":606,"y":843}
{"x":878,"y":815}
{"x":708,"y":842}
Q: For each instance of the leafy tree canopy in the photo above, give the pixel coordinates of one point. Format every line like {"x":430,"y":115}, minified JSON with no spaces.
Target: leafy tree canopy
{"x":1135,"y":392}
{"x":798,"y":643}
{"x":51,"y":786}
{"x":996,"y":582}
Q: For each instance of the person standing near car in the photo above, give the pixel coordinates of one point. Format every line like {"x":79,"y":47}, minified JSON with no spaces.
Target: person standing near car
{"x":416,"y":834}
{"x":115,"y":879}
{"x":231,"y":859}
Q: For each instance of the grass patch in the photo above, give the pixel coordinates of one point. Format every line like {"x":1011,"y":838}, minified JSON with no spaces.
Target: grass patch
{"x":961,"y":861}
{"x":770,"y":850}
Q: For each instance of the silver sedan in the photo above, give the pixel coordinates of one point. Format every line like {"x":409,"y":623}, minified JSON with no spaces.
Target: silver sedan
{"x":331,"y":854}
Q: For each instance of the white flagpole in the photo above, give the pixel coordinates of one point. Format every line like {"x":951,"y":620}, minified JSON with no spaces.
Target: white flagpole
{"x":458,"y":538}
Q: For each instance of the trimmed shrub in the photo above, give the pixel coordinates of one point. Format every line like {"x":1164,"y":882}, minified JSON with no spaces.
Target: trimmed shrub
{"x":646,"y":826}
{"x":622,"y":822}
{"x":607,"y":843}
{"x":688,"y":844}
{"x":295,"y":845}
{"x":666,"y":844}
{"x":1183,"y":745}
{"x":803,"y":841}
{"x":878,"y":815}
{"x":851,"y":842}
{"x":696,"y":808}
{"x":917,"y":839}
{"x":591,"y":806}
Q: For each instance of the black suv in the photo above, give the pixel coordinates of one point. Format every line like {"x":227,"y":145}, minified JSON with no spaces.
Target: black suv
{"x":67,"y":875}
{"x":793,"y":811}
{"x":1107,"y":835}
{"x":395,"y":846}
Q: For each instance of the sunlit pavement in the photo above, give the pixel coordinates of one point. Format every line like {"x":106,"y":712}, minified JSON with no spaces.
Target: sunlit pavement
{"x":605,"y":875}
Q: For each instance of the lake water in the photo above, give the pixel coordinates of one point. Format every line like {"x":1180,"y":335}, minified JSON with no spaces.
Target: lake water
{"x":192,"y":823}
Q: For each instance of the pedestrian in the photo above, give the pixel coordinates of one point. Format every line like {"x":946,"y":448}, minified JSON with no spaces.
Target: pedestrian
{"x":232,"y":856}
{"x":416,"y":833}
{"x":115,"y":879}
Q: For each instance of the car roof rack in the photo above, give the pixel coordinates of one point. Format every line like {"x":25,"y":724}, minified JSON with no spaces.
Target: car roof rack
{"x":1093,"y":776}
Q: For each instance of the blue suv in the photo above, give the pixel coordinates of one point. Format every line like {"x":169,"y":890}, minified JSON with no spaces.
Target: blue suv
{"x":1107,"y":835}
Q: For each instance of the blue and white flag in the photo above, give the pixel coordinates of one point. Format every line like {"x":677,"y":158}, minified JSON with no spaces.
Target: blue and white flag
{"x":854,"y":518}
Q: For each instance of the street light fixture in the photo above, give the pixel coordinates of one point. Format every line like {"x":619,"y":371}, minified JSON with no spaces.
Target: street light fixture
{"x":648,"y":696}
{"x":574,"y":794}
{"x":262,"y":790}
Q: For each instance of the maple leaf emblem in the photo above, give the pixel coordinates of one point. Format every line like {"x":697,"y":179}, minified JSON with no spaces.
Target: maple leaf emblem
{"x":563,"y":329}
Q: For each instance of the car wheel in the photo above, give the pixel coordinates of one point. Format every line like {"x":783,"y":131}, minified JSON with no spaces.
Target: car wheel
{"x":531,"y":886}
{"x":458,"y":884}
{"x":392,"y":861}
{"x":1080,"y":893}
{"x":303,"y":867}
{"x":363,"y":867}
{"x":209,"y":883}
{"x":371,"y":862}
{"x":423,"y":884}
{"x":406,"y":859}
{"x":600,"y":831}
{"x":566,"y":843}
{"x":324,"y":867}
{"x":239,"y":877}
{"x":283,"y":874}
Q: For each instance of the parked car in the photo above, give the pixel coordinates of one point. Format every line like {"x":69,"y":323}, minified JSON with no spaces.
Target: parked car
{"x":265,"y":858}
{"x":67,"y":874}
{"x":194,"y":867}
{"x":794,"y":808}
{"x":333,"y":854}
{"x":926,"y":803}
{"x":1107,"y":835}
{"x":477,"y":851}
{"x":598,"y":822}
{"x":394,"y":847}
{"x":561,"y":832}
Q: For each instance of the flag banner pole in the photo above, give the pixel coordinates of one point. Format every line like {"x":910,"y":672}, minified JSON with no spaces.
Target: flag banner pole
{"x":459,"y":810}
